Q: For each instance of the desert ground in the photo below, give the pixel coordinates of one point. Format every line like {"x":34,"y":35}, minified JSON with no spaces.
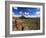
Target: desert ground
{"x":23,"y":23}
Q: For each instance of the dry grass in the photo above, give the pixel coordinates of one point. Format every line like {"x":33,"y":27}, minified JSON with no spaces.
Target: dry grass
{"x":26,"y":24}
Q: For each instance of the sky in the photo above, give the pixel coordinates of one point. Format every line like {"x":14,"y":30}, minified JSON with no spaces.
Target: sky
{"x":26,"y":11}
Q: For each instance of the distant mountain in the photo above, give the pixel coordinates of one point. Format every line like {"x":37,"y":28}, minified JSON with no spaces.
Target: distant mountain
{"x":23,"y":17}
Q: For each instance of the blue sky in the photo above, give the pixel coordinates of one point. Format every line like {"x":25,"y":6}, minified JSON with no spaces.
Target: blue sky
{"x":26,"y":11}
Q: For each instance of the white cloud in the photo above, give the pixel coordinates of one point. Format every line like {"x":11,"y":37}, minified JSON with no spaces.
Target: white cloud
{"x":26,"y":13}
{"x":37,"y":13}
{"x":13,"y":14}
{"x":17,"y":15}
{"x":15,"y":8}
{"x":20,"y":12}
{"x":33,"y":16}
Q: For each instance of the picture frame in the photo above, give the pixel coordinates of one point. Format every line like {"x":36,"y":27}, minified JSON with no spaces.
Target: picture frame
{"x":12,"y":8}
